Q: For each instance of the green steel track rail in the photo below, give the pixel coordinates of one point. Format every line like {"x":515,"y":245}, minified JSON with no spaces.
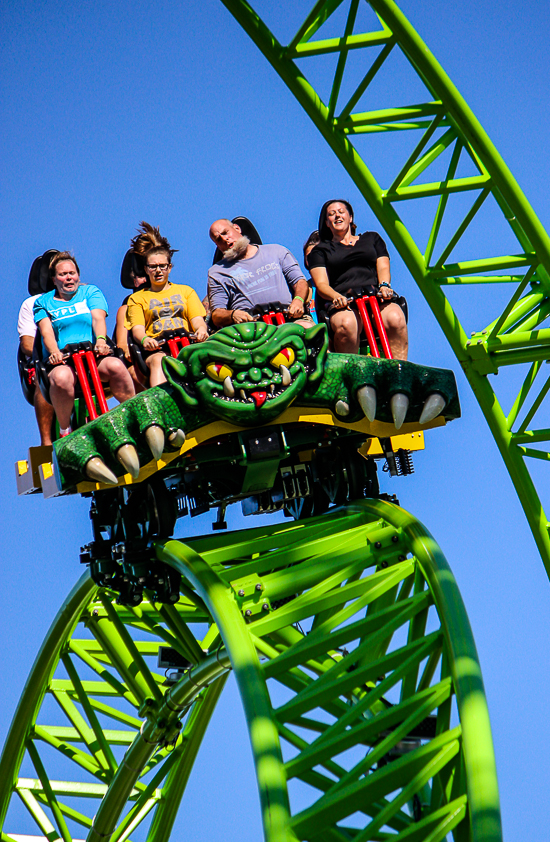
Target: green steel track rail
{"x":357,"y":670}
{"x":441,"y":125}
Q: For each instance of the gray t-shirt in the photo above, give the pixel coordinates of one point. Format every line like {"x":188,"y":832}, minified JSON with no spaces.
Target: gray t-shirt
{"x":267,"y":277}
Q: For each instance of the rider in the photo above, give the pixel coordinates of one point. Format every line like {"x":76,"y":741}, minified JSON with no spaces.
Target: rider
{"x":132,"y":276}
{"x":344,"y":263}
{"x":75,"y":312}
{"x":163,"y":306}
{"x":26,"y":328}
{"x":249,"y":275}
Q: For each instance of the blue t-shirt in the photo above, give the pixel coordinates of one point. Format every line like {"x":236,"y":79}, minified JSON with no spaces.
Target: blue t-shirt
{"x":71,"y":320}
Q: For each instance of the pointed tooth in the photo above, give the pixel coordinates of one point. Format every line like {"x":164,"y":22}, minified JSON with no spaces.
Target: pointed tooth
{"x":271,"y":387}
{"x":97,"y":470}
{"x":154,"y":436}
{"x":128,"y":457}
{"x":242,"y":393}
{"x":433,"y":406}
{"x":228,"y":388}
{"x":177,"y":439}
{"x":342,"y":408}
{"x":366,"y":396}
{"x":399,"y":406}
{"x":285,"y":375}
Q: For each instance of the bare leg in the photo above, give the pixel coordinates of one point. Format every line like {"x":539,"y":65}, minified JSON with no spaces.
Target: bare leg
{"x":137,"y":379}
{"x":44,"y":416}
{"x":347,"y":331}
{"x":154,"y":362}
{"x":396,"y":328}
{"x":62,"y":393}
{"x":114,"y":372}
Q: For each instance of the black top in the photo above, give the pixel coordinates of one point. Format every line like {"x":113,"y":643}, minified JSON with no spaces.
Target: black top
{"x":350,"y":267}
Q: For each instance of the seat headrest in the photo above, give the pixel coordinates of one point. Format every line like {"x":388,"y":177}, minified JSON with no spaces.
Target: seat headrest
{"x":132,"y":263}
{"x":247,"y":229}
{"x":39,"y":277}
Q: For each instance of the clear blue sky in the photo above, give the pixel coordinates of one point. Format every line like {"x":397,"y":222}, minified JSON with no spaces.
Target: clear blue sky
{"x":114,"y":113}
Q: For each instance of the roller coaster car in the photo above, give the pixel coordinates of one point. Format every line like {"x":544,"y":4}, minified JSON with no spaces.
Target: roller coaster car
{"x":258,"y":414}
{"x":261,"y":414}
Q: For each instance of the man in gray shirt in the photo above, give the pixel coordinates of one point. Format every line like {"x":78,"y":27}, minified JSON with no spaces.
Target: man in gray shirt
{"x":249,"y":275}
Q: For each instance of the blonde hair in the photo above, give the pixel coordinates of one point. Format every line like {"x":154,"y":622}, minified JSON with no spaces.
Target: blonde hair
{"x":59,"y":258}
{"x":149,"y":240}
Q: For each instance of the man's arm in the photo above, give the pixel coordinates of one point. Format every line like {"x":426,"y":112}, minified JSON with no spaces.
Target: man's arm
{"x":27,"y":344}
{"x":222,"y":315}
{"x":300,"y":293}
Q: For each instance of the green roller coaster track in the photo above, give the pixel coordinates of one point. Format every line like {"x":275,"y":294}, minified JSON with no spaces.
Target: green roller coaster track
{"x":346,"y":633}
{"x":442,"y":123}
{"x":355,"y":662}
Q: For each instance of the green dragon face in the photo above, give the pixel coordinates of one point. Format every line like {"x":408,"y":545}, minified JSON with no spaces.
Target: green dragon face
{"x":249,"y":373}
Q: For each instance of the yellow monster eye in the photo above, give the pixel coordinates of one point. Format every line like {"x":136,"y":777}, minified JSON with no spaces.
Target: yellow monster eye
{"x":285,"y":357}
{"x":218,"y":371}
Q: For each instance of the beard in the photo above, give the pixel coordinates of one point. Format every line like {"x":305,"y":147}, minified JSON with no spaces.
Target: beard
{"x":237,"y":250}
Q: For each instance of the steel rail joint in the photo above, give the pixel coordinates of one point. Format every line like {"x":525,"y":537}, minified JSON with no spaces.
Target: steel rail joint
{"x":161,"y":723}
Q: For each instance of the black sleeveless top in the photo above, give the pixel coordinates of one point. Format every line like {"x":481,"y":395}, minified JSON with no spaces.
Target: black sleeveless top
{"x":350,"y":267}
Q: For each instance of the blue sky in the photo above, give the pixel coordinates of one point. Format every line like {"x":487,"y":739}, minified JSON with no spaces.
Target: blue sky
{"x":114,"y":113}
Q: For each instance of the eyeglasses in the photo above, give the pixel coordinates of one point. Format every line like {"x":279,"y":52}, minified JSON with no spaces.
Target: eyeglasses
{"x":152,"y":267}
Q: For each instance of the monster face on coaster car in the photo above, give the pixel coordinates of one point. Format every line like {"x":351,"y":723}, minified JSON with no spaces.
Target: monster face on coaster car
{"x":248,"y":375}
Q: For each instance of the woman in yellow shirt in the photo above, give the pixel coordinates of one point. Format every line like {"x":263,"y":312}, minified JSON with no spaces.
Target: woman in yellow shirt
{"x":164,"y":306}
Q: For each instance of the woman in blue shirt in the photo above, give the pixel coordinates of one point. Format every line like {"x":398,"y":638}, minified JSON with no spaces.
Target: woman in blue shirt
{"x":75,"y":312}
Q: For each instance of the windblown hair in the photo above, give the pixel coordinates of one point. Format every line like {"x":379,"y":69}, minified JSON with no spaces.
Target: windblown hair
{"x":59,"y":258}
{"x":312,"y":240}
{"x":149,"y":240}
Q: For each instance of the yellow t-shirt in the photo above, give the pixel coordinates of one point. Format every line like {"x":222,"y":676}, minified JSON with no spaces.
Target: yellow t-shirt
{"x":170,"y":309}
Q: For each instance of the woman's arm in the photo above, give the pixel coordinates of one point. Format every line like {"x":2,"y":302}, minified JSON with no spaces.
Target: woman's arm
{"x":323,"y":287}
{"x":147,"y":342}
{"x":99,"y":326}
{"x":135,"y":321}
{"x":384,"y":276}
{"x":199,"y":326}
{"x":121,"y":334}
{"x":48,"y":335}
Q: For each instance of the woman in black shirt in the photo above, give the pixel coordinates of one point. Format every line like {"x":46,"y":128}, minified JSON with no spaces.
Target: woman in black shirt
{"x":344,"y":263}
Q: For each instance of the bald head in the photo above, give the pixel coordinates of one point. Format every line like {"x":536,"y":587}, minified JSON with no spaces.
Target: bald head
{"x":224,"y":233}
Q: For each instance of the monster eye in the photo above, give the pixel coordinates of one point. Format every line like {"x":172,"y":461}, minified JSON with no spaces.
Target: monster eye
{"x":285,"y":357}
{"x":218,"y":372}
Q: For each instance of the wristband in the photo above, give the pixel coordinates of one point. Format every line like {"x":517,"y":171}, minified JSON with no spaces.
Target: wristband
{"x":299,"y":297}
{"x":143,"y":339}
{"x":101,"y":337}
{"x":385,"y":284}
{"x":231,"y":316}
